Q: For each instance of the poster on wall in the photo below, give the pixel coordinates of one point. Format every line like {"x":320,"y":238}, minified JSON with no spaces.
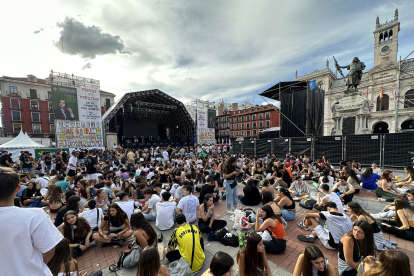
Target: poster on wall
{"x":39,"y":152}
{"x":84,"y":128}
{"x":65,"y":102}
{"x":205,"y":134}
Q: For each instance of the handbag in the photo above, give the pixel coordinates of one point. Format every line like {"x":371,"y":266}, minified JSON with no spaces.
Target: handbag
{"x":232,"y":183}
{"x":36,"y":204}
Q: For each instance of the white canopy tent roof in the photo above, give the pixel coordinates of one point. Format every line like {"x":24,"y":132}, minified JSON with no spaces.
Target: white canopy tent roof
{"x":22,"y":141}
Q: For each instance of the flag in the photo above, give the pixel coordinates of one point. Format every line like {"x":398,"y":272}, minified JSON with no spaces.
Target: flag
{"x":367,"y":93}
{"x":381,"y":93}
{"x":312,"y":84}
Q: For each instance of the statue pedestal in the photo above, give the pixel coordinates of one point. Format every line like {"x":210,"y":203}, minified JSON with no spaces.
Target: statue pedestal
{"x":351,"y":114}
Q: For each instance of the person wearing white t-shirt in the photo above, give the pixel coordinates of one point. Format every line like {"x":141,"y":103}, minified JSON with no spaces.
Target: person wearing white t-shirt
{"x":29,"y":236}
{"x":42,"y":181}
{"x":72,"y":166}
{"x":188,"y":205}
{"x":126,"y":205}
{"x":375,"y":169}
{"x":165,"y":212}
{"x":150,"y":209}
{"x":329,"y":197}
{"x":326,"y":178}
{"x":93,"y":215}
{"x":165,"y":155}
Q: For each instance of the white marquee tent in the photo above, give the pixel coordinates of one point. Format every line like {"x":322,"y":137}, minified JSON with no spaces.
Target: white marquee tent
{"x":21,"y":143}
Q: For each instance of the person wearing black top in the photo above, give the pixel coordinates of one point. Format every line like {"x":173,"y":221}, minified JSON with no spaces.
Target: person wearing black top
{"x":81,"y":157}
{"x":79,"y":177}
{"x":30,"y":194}
{"x":91,"y":164}
{"x":229,"y":174}
{"x":251,"y":194}
{"x":26,"y":163}
{"x":5,"y":160}
{"x":283,"y":181}
{"x":208,"y":188}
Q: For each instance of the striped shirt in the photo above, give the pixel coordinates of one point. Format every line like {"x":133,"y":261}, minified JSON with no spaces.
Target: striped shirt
{"x":301,"y":189}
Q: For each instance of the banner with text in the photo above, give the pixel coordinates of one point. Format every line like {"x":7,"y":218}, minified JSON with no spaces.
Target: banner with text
{"x":205,"y":135}
{"x":65,"y":102}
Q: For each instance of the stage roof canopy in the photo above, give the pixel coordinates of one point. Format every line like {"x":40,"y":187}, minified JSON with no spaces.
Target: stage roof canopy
{"x":285,"y":87}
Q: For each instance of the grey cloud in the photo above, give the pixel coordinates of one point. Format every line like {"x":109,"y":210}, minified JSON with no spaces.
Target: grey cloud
{"x":87,"y":66}
{"x":38,"y":31}
{"x":87,"y":41}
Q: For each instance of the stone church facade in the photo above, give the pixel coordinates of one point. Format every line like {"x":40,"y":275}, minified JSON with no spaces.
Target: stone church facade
{"x":371,"y":115}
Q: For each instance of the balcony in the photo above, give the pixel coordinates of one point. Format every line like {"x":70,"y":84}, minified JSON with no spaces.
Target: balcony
{"x":9,"y":94}
{"x":34,"y":107}
{"x":16,"y":119}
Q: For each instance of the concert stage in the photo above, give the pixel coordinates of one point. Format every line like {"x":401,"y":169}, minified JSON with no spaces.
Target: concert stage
{"x":149,"y":118}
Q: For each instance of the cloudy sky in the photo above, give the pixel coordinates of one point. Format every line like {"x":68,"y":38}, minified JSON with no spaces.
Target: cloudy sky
{"x":211,"y":50}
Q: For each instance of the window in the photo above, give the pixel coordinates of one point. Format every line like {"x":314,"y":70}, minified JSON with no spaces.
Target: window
{"x":232,"y":134}
{"x":14,"y":103}
{"x":237,"y":127}
{"x":35,"y":117}
{"x":248,"y":133}
{"x":34,"y":105}
{"x":242,"y":126}
{"x":50,"y":107}
{"x":52,"y":128}
{"x":16,"y":116}
{"x":33,"y":94}
{"x":242,"y":133}
{"x":254,"y":117}
{"x":254,"y":132}
{"x":260,"y":124}
{"x":247,"y":125}
{"x":231,"y":120}
{"x":13,"y":89}
{"x":409,"y":99}
{"x":241,"y":118}
{"x":260,"y":116}
{"x":232,"y":127}
{"x":31,"y":79}
{"x":267,"y":123}
{"x":237,"y":133}
{"x":248,"y":118}
{"x":254,"y":125}
{"x":36,"y":128}
{"x":383,"y":104}
{"x":17,"y":128}
{"x":51,"y":117}
{"x":49,"y":95}
{"x":267,"y":115}
{"x":237,"y":119}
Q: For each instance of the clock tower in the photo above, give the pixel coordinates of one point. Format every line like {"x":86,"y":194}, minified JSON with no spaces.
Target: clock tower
{"x":386,"y":40}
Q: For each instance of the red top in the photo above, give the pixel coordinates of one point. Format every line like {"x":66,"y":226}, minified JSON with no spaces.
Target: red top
{"x":278,"y":230}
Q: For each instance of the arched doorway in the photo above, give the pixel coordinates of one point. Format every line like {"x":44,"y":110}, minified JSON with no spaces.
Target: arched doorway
{"x":381,"y":127}
{"x":409,"y":124}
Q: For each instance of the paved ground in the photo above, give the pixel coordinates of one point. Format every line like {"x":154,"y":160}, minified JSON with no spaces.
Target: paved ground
{"x":100,"y":258}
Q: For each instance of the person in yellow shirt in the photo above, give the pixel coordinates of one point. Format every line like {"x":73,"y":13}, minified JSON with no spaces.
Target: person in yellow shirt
{"x":189,"y":241}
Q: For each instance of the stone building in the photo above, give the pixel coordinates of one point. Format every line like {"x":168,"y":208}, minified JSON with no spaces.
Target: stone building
{"x":370,"y":114}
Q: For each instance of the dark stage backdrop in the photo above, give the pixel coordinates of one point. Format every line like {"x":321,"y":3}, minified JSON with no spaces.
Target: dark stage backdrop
{"x":140,"y":127}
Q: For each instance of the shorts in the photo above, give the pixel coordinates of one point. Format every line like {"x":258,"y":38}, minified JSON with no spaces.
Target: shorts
{"x":71,"y":173}
{"x":323,"y":235}
{"x":92,"y":176}
{"x":48,"y":167}
{"x":28,"y":169}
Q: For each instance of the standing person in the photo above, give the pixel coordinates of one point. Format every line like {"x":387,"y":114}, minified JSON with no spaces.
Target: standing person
{"x":354,"y":246}
{"x":229,"y":174}
{"x":48,"y":162}
{"x":207,"y":221}
{"x":29,"y":228}
{"x":386,"y":190}
{"x":403,"y":224}
{"x":188,"y":205}
{"x":313,"y":263}
{"x":165,"y":156}
{"x":91,"y":164}
{"x":131,"y":157}
{"x":26,"y":163}
{"x":189,"y":241}
{"x":149,"y":263}
{"x":251,"y":258}
{"x":72,"y":166}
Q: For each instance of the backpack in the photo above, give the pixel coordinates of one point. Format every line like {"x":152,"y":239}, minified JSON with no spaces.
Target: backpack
{"x":307,"y":203}
{"x":230,"y":241}
{"x":216,"y":236}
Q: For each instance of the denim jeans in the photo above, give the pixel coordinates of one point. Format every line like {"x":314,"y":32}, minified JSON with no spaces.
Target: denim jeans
{"x":253,"y":218}
{"x":288,"y":215}
{"x":149,"y":217}
{"x":232,"y":194}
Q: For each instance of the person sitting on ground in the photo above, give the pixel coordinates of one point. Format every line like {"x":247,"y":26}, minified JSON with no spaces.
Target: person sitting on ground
{"x":117,"y":227}
{"x":391,"y":262}
{"x":72,"y":204}
{"x":251,"y":258}
{"x":139,"y":196}
{"x":353,"y":179}
{"x":126,"y":188}
{"x":338,"y":225}
{"x":283,"y":181}
{"x":55,"y":200}
{"x":403,"y":224}
{"x":150,"y":209}
{"x":273,"y":224}
{"x":389,"y":210}
{"x":149,"y":263}
{"x":251,"y":194}
{"x":101,"y":182}
{"x":64,"y":184}
{"x":144,"y":236}
{"x":354,"y":246}
{"x":165,"y":212}
{"x":126,"y":205}
{"x":77,"y":231}
{"x":102,"y":200}
{"x":345,"y":190}
{"x":267,"y":188}
{"x":174,"y":186}
{"x":326,"y":178}
{"x":30,"y":194}
{"x":307,"y":172}
{"x":158,"y":189}
{"x":286,"y":204}
{"x":83,"y":190}
{"x":386,"y":190}
{"x":328,"y":197}
{"x":207,"y":221}
{"x":210,"y":187}
{"x":188,"y":205}
{"x":221,"y":265}
{"x":408,"y":180}
{"x":189,"y":241}
{"x":267,"y":199}
{"x":108,"y":191}
{"x":93,"y":215}
{"x":375,"y":169}
{"x":79,"y":177}
{"x":368,"y":179}
{"x":313,"y":263}
{"x":299,"y":189}
{"x":359,"y":214}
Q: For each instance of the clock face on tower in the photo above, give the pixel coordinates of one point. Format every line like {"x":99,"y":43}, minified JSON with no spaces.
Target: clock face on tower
{"x":385,"y":48}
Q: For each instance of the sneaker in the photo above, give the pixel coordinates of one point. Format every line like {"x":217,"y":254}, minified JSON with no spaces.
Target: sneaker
{"x":382,"y":200}
{"x":295,"y":198}
{"x":375,"y":216}
{"x":306,"y":238}
{"x":230,"y":212}
{"x":301,"y":225}
{"x":92,"y":243}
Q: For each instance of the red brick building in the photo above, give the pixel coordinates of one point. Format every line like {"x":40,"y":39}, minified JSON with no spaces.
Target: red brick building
{"x":246,"y":123}
{"x":27,"y":105}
